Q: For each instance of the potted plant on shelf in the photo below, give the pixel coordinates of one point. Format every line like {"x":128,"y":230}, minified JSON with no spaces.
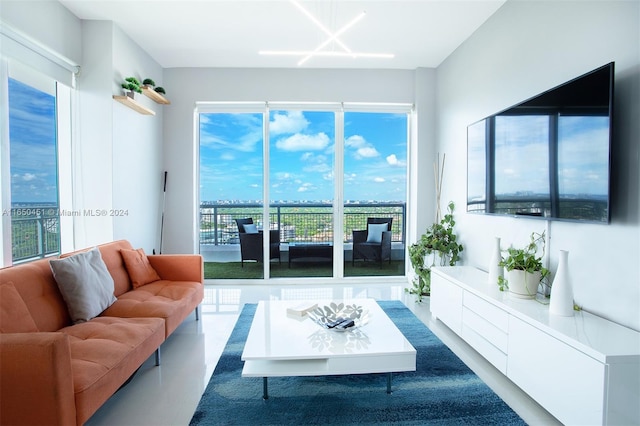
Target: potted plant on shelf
{"x":160,"y":90}
{"x":438,"y":245}
{"x":524,"y":268}
{"x":131,"y":85}
{"x":148,"y":83}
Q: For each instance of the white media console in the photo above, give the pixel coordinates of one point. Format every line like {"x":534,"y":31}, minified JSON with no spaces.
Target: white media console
{"x":582,"y":369}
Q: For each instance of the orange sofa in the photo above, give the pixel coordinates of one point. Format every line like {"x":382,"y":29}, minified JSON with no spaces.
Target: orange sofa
{"x":55,"y":372}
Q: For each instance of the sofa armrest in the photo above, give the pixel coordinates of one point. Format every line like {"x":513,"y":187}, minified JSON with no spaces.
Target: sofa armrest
{"x":178,"y":267}
{"x":36,"y":381}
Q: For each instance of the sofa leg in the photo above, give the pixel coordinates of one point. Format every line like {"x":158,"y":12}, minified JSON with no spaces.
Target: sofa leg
{"x":158,"y":356}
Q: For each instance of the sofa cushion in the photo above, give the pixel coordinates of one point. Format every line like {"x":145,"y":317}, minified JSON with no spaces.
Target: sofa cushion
{"x":140,"y":270}
{"x":14,"y":314}
{"x":104,"y":353}
{"x":171,"y":300}
{"x":85,"y":284}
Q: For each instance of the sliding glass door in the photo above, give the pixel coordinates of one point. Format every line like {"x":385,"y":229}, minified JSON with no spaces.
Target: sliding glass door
{"x":375,"y":188}
{"x":326,"y":171}
{"x":231,"y":194}
{"x":301,"y":189}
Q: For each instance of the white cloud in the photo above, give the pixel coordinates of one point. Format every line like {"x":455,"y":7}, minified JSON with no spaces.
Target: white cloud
{"x":355,"y":141}
{"x":288,"y":123}
{"x":350,"y":177}
{"x":367,"y":152}
{"x":306,"y":187}
{"x":379,"y":179}
{"x":317,"y":168}
{"x":392,"y":160}
{"x":28,"y":177}
{"x":300,"y":142}
{"x":360,"y":147}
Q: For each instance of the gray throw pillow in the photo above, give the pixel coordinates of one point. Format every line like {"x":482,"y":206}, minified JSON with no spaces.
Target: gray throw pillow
{"x":374,"y":232}
{"x":250,"y":228}
{"x":85,"y":284}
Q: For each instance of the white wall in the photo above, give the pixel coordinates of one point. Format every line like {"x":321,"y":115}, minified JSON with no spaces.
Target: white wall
{"x":48,"y":22}
{"x":120,"y":170}
{"x":523,"y":49}
{"x":137,"y":150}
{"x":249,"y":85}
{"x":92,"y":148}
{"x":422,"y":178}
{"x":117,"y":153}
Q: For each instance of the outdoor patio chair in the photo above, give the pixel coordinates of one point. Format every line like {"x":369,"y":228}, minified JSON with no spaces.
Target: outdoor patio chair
{"x":374,"y":243}
{"x":251,"y":242}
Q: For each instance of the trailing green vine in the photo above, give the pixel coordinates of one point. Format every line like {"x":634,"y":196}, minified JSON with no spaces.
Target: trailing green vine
{"x":439,"y":239}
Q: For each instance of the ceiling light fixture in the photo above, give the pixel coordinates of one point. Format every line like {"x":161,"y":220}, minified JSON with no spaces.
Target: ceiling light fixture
{"x":333,"y":37}
{"x":325,"y":53}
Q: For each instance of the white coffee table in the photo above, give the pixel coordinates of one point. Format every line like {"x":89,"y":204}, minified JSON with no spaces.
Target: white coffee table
{"x":280,"y":344}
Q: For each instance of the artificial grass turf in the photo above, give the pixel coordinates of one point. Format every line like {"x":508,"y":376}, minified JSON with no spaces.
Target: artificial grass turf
{"x":253,"y":270}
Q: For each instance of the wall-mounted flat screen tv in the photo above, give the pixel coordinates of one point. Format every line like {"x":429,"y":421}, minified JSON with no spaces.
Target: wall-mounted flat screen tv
{"x":547,"y":157}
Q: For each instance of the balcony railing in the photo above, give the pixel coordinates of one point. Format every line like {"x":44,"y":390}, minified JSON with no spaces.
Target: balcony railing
{"x":35,"y":232}
{"x":297,"y":222}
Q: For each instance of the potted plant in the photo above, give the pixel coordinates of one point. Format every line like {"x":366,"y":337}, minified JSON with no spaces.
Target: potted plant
{"x":524,"y":268}
{"x":437,"y":245}
{"x":148,"y":83}
{"x":160,"y":90}
{"x":131,"y":86}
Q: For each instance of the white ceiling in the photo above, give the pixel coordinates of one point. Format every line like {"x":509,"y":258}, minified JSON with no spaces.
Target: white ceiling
{"x":230,"y":33}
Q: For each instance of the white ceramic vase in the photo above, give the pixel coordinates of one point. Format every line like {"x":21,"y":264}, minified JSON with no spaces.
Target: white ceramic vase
{"x":495,"y":270}
{"x":561,"y":302}
{"x":523,"y":284}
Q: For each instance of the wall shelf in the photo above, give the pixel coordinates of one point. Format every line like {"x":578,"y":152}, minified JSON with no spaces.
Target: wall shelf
{"x":155,"y":96}
{"x":131,"y":103}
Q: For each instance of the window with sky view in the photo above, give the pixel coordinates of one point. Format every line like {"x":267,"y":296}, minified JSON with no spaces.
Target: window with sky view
{"x":35,"y":229}
{"x":302,"y":172}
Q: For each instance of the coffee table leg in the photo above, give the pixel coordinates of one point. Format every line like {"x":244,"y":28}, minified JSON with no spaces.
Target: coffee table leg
{"x":388,"y":382}
{"x":265,"y":392}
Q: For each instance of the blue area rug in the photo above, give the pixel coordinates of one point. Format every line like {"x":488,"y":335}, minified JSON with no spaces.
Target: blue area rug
{"x":442,"y":390}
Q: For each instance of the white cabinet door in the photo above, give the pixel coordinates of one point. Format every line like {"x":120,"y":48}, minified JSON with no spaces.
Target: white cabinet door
{"x":484,"y":337}
{"x":568,"y":383}
{"x":446,"y":302}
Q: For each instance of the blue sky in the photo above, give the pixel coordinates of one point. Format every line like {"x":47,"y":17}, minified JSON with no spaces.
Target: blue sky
{"x":32,"y":134}
{"x":302,"y":146}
